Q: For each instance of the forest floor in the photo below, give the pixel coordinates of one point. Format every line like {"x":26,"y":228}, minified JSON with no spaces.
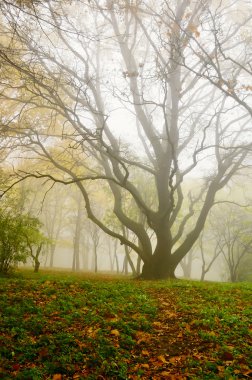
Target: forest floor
{"x":64,"y":326}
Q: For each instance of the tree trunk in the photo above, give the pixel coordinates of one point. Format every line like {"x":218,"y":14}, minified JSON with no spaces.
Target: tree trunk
{"x":125,"y":265}
{"x":203,"y":272}
{"x":138,"y":266}
{"x":116,"y":262}
{"x":233,"y":275}
{"x":36,"y":257}
{"x":95,"y":259}
{"x":36,"y":266}
{"x":186,"y":264}
{"x":85,"y":255}
{"x":128,"y":261}
{"x":77,"y":235}
{"x":161,"y":265}
{"x":52,"y":251}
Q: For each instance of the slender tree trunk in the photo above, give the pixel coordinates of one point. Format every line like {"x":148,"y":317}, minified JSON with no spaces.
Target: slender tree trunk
{"x":76,"y":252}
{"x":95,"y":259}
{"x":85,"y":256}
{"x":125,"y":265}
{"x":233,"y":274}
{"x":37,"y":265}
{"x":115,"y":258}
{"x":110,"y":257}
{"x":116,"y":262}
{"x":186,"y":264}
{"x":138,"y":266}
{"x":36,"y":258}
{"x":203,"y":273}
{"x":52,"y":251}
{"x":127,"y":259}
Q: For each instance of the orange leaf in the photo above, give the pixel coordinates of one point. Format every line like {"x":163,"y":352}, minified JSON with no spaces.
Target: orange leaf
{"x":145,"y":365}
{"x":57,"y":376}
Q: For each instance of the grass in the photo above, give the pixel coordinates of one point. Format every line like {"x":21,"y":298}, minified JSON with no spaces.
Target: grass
{"x":64,"y":326}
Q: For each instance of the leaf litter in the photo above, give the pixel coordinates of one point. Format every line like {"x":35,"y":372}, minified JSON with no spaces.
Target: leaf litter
{"x":68,"y":327}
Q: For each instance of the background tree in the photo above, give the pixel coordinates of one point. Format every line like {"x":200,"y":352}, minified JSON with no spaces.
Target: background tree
{"x":179,"y":73}
{"x":233,"y":239}
{"x":208,"y":249}
{"x":35,"y":241}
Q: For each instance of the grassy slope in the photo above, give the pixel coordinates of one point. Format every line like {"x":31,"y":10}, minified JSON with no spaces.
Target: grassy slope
{"x":60,"y":326}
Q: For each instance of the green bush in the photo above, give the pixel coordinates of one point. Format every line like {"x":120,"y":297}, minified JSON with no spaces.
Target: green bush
{"x":18,"y":235}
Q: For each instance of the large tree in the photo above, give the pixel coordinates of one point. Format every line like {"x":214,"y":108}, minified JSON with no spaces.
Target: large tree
{"x":111,"y":91}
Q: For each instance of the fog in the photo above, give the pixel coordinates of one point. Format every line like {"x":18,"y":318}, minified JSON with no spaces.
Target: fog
{"x":126,"y":133}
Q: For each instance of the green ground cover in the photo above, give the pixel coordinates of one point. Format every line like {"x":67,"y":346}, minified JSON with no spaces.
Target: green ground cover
{"x":63,"y":326}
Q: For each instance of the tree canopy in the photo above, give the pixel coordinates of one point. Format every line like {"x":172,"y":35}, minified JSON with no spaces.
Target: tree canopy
{"x":113,"y":91}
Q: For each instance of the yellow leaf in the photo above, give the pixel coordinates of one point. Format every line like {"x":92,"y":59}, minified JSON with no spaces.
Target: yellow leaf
{"x":237,"y":371}
{"x":171,"y":314}
{"x":115,"y":332}
{"x":157,"y":324}
{"x":113,"y":319}
{"x":162,"y":358}
{"x":142,"y":337}
{"x":145,"y":353}
{"x":188,"y":327}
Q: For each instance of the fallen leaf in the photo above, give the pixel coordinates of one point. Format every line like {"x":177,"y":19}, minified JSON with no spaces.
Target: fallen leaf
{"x":171,"y":315}
{"x":57,"y":376}
{"x":227,"y":356}
{"x":157,"y":324}
{"x":145,"y":365}
{"x":113,"y":319}
{"x":16,"y":367}
{"x":114,"y":332}
{"x":237,"y":371}
{"x":162,"y":359}
{"x":145,"y":353}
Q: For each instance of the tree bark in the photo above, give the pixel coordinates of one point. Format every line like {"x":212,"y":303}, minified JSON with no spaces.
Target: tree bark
{"x":37,"y":265}
{"x":161,"y":265}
